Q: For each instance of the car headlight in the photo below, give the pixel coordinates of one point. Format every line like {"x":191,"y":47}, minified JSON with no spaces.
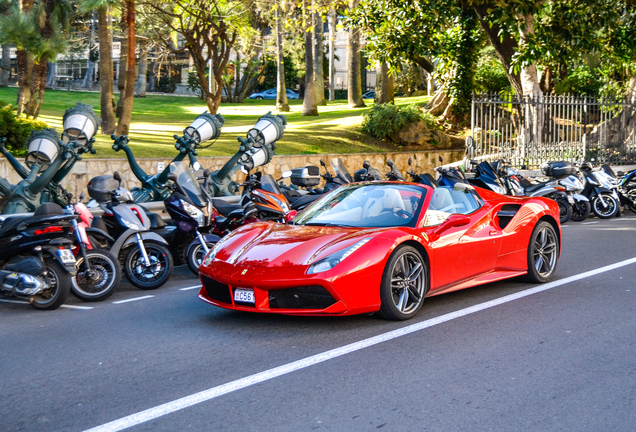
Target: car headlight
{"x":335,"y":258}
{"x":212,"y":253}
{"x":193,"y":211}
{"x":130,"y":225}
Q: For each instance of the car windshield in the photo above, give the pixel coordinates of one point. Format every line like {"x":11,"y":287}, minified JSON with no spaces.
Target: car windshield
{"x":189,"y":183}
{"x":366,"y":206}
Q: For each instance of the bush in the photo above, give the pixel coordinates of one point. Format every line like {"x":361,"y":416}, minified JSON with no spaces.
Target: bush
{"x":166,"y":85}
{"x":581,"y":81}
{"x":17,"y":129}
{"x":384,"y":120}
{"x":490,"y":77}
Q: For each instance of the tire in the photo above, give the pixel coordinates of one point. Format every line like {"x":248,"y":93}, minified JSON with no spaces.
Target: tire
{"x":580,"y":211}
{"x":565,"y":210}
{"x":195,"y":255}
{"x":631,"y":197}
{"x":397,"y":302}
{"x":607,"y":211}
{"x":59,"y":281}
{"x":542,"y":262}
{"x":259,"y":98}
{"x":153,"y":277}
{"x":102,"y":280}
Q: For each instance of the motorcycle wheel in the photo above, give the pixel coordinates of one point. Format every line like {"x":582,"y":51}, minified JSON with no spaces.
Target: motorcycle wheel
{"x":148,"y":278}
{"x":195,"y":255}
{"x":101,"y":281}
{"x":604,"y":211}
{"x":58,"y":282}
{"x":565,"y":210}
{"x":631,"y":197}
{"x":580,"y":211}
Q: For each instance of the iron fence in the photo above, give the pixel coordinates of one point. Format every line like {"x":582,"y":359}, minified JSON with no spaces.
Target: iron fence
{"x":530,"y":130}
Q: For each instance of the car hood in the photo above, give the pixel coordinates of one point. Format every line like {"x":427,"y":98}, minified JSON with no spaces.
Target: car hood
{"x":277,"y":245}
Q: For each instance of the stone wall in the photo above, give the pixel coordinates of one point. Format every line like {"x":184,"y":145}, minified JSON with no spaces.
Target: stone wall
{"x":83,"y":171}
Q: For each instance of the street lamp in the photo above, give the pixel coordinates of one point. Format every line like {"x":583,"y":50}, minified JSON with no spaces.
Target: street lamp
{"x":268,"y":129}
{"x":205,"y":127}
{"x":43,"y":148}
{"x":80,"y":124}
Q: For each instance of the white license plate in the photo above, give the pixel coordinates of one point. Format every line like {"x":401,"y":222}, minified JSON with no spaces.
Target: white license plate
{"x":244,"y":295}
{"x":66,"y":256}
{"x":570,"y":200}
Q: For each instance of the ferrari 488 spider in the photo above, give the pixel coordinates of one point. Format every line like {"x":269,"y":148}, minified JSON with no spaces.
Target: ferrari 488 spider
{"x":382,"y":246}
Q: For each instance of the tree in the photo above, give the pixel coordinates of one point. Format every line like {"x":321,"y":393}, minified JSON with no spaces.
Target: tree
{"x":383,"y":85}
{"x":106,"y":83}
{"x":354,"y":72}
{"x":211,"y":29}
{"x":5,"y":8}
{"x":282,"y":104}
{"x":332,"y":49}
{"x":310,"y":108}
{"x":123,"y":126}
{"x":319,"y":80}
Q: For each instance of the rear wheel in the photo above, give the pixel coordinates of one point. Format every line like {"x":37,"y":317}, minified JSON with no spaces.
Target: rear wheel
{"x":565,"y":210}
{"x":580,"y":211}
{"x":404,"y":284}
{"x":101,"y":281}
{"x":148,"y":277}
{"x":58,"y":286}
{"x":195,"y":255}
{"x":604,"y":206}
{"x":543,"y":253}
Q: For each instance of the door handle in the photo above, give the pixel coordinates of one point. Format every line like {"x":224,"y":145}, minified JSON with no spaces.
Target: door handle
{"x":493,"y":232}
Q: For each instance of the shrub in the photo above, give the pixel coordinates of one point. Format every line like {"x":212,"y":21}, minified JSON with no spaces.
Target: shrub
{"x":17,"y":129}
{"x":166,"y":85}
{"x":384,"y":120}
{"x":581,"y":81}
{"x":490,"y":77}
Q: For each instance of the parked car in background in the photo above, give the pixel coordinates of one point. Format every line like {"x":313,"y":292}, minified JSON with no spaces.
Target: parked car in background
{"x":271,"y":94}
{"x":369,"y":95}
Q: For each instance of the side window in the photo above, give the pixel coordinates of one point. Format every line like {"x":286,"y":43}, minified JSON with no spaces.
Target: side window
{"x":448,"y":200}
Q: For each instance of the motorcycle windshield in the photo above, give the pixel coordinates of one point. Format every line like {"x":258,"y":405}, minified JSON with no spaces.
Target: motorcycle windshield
{"x":269,"y":184}
{"x":189,"y":183}
{"x":341,"y":170}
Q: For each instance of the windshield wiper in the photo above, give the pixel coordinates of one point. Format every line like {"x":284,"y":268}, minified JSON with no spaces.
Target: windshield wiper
{"x":325,"y":224}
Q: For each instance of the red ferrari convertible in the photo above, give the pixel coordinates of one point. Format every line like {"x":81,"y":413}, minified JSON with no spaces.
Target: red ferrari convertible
{"x":382,"y":246}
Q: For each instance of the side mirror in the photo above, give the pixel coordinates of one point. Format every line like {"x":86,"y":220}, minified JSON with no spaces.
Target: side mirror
{"x":206,"y":173}
{"x":117,"y":177}
{"x":322,"y":162}
{"x":410,"y":160}
{"x":454,"y":220}
{"x":366,"y":165}
{"x":390,"y":163}
{"x":81,"y":197}
{"x":286,"y":174}
{"x":441,"y":160}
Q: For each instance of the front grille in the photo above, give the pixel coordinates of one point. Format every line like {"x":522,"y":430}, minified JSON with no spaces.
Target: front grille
{"x":216,"y":290}
{"x":307,"y":297}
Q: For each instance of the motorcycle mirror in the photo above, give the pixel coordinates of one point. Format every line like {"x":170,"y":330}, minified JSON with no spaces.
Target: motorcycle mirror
{"x":206,"y":173}
{"x":117,"y":177}
{"x":366,"y":165}
{"x":322,"y":162}
{"x":410,"y":160}
{"x":441,"y":160}
{"x":286,"y":174}
{"x":81,"y":197}
{"x":390,"y":163}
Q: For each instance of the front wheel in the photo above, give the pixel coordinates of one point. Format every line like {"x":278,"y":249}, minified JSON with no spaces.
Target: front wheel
{"x":565,"y":210}
{"x":58,"y":286}
{"x":604,"y":206}
{"x":580,"y":211}
{"x":404,"y":284}
{"x":195,"y":255}
{"x":101,"y":280}
{"x":148,"y":277}
{"x":543,"y":253}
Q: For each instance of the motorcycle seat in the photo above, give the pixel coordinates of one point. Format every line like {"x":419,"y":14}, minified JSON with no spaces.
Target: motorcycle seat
{"x":304,"y":201}
{"x":225,"y":208}
{"x":14,"y":222}
{"x":534,"y":187}
{"x":156,"y":221}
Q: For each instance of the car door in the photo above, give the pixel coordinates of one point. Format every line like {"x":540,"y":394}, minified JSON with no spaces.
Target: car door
{"x":464,"y":252}
{"x":270,"y":94}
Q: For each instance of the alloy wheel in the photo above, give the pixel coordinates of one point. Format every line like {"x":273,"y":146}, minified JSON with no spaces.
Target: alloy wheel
{"x":407,"y":282}
{"x":545,"y":251}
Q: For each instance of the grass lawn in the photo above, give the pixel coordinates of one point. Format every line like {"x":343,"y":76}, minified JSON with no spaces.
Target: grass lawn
{"x":156,"y":119}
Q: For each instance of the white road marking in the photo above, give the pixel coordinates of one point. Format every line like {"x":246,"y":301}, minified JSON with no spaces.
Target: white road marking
{"x":190,"y":288}
{"x":78,"y":307}
{"x":214,"y":392}
{"x":134,"y":299}
{"x":588,"y":223}
{"x":14,"y":301}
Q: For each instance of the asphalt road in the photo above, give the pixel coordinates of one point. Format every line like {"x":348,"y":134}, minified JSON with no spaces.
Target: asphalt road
{"x":560,"y":359}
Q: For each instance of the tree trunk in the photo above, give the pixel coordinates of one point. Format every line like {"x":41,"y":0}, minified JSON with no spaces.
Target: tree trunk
{"x":25,"y":67}
{"x":383,"y":85}
{"x":143,"y":70}
{"x":38,"y":87}
{"x":123,"y":127}
{"x":332,"y":54}
{"x":88,"y":78}
{"x":51,"y":75}
{"x":123,"y":64}
{"x":354,"y":78}
{"x":534,"y":115}
{"x":6,"y":65}
{"x":107,"y":94}
{"x":282,"y":104}
{"x":309,"y":101}
{"x":319,"y":80}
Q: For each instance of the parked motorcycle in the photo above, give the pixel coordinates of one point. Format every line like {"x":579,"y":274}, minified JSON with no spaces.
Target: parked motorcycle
{"x":600,"y":191}
{"x":367,"y":173}
{"x":263,"y":191}
{"x":98,"y":270}
{"x":425,"y":178}
{"x":36,"y":260}
{"x":581,"y":206}
{"x":146,"y":259}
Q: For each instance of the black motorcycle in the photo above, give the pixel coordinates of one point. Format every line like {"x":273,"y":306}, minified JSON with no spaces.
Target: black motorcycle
{"x":36,"y":260}
{"x":425,"y":178}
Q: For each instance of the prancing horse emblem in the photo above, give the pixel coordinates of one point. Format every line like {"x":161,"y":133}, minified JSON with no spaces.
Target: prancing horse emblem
{"x":244,"y":271}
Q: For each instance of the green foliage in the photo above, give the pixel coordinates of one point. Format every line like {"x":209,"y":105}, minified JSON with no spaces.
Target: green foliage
{"x":490,"y":76}
{"x":194,"y":84}
{"x":269,"y":79}
{"x":166,"y":85}
{"x":17,"y":129}
{"x":581,"y":81}
{"x":408,"y":79}
{"x":385,"y":120}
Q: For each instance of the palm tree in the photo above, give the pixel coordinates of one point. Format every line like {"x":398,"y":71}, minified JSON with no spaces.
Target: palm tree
{"x":282,"y":104}
{"x":129,"y":90}
{"x":309,"y":101}
{"x":354,"y":75}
